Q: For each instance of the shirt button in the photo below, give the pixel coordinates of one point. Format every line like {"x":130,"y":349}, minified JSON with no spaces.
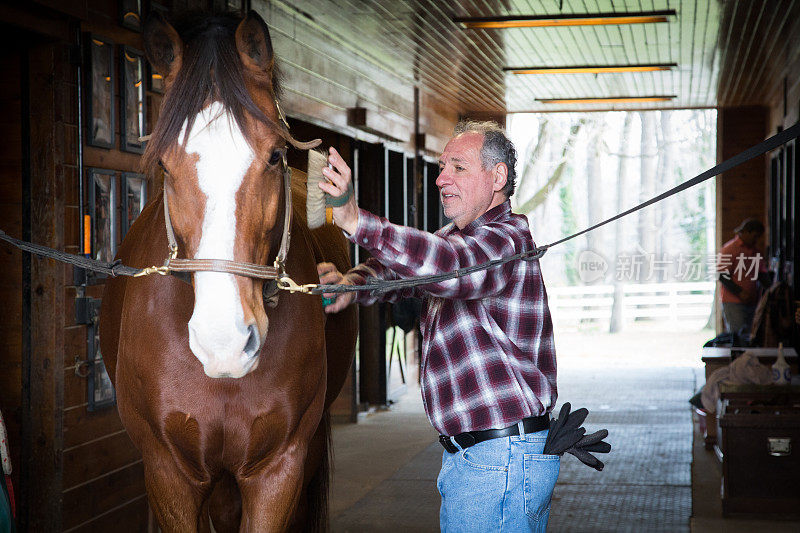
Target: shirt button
{"x":365,"y":240}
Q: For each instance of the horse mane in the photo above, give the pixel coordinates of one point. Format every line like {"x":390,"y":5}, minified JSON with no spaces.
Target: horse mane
{"x":211,"y":70}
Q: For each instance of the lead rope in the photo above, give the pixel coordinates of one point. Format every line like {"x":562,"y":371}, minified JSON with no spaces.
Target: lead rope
{"x":381,"y":286}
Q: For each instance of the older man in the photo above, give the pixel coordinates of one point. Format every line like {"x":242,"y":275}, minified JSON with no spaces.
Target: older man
{"x":489,"y":366}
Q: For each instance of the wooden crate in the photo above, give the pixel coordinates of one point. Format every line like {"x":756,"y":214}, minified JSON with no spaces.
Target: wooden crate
{"x":760,"y":449}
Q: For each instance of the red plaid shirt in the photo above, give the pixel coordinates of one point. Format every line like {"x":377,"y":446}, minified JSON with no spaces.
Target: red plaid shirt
{"x":488,"y":355}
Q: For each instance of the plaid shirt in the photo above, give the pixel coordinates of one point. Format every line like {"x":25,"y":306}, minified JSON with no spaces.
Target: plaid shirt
{"x":488,"y":355}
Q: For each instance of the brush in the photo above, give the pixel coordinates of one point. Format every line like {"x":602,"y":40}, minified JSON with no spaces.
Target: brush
{"x":319,"y":204}
{"x":317,"y":213}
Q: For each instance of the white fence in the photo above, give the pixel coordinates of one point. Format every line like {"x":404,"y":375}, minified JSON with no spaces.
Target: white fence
{"x":689,"y":304}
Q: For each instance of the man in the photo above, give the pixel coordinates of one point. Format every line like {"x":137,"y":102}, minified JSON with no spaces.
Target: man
{"x":489,"y":368}
{"x":739,"y":266}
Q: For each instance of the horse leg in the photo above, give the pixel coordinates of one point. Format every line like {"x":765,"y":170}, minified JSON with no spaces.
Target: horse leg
{"x":175,"y":500}
{"x":271,"y":493}
{"x":312,"y":511}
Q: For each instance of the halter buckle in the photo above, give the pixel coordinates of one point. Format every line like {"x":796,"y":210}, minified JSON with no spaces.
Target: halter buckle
{"x":162,"y":270}
{"x":288,"y":284}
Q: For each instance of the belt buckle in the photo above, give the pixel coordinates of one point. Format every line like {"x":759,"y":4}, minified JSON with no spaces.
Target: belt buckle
{"x":448,"y":445}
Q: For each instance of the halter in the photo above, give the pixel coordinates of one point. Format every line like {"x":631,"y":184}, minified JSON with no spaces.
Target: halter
{"x":275,"y":272}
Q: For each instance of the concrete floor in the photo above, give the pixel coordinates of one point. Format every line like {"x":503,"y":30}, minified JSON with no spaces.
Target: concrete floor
{"x":657,"y":478}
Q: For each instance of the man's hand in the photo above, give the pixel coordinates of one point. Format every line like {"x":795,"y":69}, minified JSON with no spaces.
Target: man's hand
{"x":329,"y":275}
{"x":339,"y":182}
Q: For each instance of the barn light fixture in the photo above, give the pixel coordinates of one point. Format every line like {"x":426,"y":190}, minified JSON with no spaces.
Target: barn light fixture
{"x":611,"y":100}
{"x":591,"y":69}
{"x":573,"y":19}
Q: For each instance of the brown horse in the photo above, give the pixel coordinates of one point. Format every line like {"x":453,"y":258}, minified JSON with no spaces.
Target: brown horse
{"x":225,"y":396}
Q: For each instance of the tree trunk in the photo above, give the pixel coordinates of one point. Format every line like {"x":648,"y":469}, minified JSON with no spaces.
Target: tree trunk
{"x":647,"y":222}
{"x":541,"y":195}
{"x":624,"y":162}
{"x":594,"y":189}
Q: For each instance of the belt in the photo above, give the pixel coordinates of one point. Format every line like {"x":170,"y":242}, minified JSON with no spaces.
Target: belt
{"x":469,"y":438}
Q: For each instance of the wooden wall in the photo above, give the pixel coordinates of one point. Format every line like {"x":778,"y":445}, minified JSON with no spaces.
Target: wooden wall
{"x":748,"y":190}
{"x":11,"y":258}
{"x":324,"y":75}
{"x":76,"y":469}
{"x":740,"y":191}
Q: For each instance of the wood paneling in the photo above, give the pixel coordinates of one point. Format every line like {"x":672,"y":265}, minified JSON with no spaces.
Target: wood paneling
{"x":103,"y":495}
{"x":98,"y":458}
{"x":373,"y":51}
{"x":42,"y":415}
{"x":81,"y":425}
{"x":128,"y":517}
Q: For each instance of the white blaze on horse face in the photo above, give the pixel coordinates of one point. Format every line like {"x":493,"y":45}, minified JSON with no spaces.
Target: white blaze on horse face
{"x":218,"y":334}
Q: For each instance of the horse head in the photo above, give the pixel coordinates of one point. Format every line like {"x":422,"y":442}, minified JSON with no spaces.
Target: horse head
{"x":220,"y":141}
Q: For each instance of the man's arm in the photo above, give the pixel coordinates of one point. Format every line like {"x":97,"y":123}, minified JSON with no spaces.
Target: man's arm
{"x":726,"y":281}
{"x":371,"y":268}
{"x":410,"y":252}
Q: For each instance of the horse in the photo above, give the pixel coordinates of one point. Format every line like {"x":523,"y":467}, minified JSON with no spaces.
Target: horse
{"x":223,"y":383}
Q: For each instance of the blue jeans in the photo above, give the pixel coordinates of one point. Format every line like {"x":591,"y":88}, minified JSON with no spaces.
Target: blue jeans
{"x":500,"y":484}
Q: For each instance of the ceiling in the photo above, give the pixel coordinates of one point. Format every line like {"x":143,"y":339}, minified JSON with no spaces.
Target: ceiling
{"x":725,"y":52}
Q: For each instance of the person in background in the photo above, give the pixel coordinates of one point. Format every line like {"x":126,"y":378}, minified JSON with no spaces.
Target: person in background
{"x":740,"y":265}
{"x":489,"y":364}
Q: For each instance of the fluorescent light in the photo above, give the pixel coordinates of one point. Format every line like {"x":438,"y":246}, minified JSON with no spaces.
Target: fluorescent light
{"x":549,"y":21}
{"x":611,"y":100}
{"x":591,"y":69}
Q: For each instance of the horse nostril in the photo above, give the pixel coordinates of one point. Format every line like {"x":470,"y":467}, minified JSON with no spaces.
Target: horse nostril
{"x":252,"y":341}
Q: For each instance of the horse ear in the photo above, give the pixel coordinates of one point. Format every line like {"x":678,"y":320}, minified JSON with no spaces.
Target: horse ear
{"x":254,"y":44}
{"x":163,"y":46}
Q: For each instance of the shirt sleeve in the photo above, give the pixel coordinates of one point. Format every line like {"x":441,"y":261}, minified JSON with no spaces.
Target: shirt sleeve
{"x":411,"y":252}
{"x":372,"y":268}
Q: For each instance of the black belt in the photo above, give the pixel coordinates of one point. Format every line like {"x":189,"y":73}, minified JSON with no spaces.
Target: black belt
{"x":531,"y":424}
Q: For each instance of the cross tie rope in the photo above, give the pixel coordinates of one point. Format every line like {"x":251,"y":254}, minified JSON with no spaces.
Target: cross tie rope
{"x":378,"y":287}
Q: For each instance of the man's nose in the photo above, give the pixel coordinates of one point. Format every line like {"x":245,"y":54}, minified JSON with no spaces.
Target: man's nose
{"x":442,"y":179}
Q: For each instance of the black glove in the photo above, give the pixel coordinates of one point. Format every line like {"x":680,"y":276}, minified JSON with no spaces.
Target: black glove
{"x":565,"y":435}
{"x":565,"y":430}
{"x":591,"y":443}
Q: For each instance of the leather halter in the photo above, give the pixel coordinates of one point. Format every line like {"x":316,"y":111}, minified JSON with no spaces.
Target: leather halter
{"x":275,"y":272}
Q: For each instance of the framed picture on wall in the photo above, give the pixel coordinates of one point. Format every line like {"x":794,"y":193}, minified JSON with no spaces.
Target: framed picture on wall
{"x":155,"y":80}
{"x":102,"y":210}
{"x":100,"y":92}
{"x":132,"y":103}
{"x":131,"y":14}
{"x":134,"y":196}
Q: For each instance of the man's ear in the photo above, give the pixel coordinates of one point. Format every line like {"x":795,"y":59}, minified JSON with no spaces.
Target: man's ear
{"x":499,"y":176}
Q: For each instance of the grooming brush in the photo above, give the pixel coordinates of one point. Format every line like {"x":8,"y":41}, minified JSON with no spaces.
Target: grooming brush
{"x":317,"y":212}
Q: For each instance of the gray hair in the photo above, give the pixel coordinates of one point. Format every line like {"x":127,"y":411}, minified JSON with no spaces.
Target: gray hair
{"x":497,"y":148}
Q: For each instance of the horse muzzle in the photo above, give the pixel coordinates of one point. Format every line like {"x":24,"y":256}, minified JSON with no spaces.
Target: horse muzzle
{"x":235,"y":356}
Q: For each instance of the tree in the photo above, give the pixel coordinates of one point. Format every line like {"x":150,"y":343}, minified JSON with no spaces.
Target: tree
{"x":541,"y":195}
{"x":624,"y":162}
{"x":647,"y":221}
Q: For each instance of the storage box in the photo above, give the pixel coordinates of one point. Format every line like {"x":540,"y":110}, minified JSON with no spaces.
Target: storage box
{"x":760,"y":448}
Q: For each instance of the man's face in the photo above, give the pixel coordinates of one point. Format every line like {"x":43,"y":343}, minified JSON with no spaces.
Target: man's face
{"x":466,"y":190}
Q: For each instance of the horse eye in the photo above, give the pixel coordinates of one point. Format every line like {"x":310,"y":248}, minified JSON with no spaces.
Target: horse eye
{"x":275,"y":157}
